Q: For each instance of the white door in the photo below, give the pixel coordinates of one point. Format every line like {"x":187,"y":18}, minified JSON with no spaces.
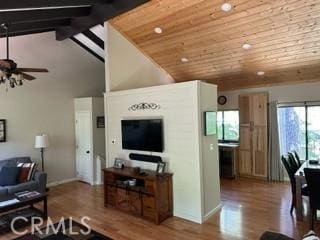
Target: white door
{"x":84,"y":159}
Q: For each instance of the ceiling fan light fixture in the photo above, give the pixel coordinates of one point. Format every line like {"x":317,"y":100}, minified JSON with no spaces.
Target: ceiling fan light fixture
{"x":12,"y":82}
{"x":9,"y":72}
{"x":20,"y":82}
{"x":19,"y":77}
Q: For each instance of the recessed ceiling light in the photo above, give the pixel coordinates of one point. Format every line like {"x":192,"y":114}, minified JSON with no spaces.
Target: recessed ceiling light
{"x":158,"y":30}
{"x":184,"y":60}
{"x":226,"y":7}
{"x":246,"y":46}
{"x":261,"y":73}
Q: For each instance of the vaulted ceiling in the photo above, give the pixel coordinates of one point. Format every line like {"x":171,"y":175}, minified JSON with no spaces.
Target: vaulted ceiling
{"x":76,"y":19}
{"x":284,"y":36}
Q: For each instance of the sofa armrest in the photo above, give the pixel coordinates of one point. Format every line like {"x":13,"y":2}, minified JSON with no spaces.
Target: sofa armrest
{"x":41,"y":179}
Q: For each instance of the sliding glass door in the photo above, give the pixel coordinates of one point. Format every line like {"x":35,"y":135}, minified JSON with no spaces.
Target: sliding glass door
{"x":292,"y":127}
{"x":299,"y":129}
{"x":313,"y":115}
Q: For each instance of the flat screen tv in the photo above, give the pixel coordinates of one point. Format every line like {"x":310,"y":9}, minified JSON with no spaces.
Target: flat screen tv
{"x":142,"y":135}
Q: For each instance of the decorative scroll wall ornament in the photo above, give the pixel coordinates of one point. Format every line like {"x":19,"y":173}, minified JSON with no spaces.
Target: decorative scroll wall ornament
{"x":144,"y":106}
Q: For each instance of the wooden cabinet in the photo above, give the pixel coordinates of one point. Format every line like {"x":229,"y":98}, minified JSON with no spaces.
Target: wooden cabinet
{"x":253,"y":149}
{"x":228,"y":158}
{"x":151,"y":198}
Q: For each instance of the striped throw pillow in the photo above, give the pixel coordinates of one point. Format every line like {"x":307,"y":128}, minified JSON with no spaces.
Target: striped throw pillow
{"x":26,"y":171}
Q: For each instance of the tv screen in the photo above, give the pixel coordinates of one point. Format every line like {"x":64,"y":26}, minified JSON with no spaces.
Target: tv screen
{"x":143,"y":135}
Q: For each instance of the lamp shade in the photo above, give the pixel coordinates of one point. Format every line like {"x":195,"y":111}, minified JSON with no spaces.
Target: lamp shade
{"x":42,"y":141}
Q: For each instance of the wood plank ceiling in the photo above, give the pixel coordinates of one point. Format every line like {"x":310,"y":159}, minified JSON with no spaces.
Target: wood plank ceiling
{"x":284,"y":36}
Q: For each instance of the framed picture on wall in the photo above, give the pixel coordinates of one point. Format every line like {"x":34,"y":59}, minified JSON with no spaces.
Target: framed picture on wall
{"x":100,"y":122}
{"x":210,"y":123}
{"x":2,"y":130}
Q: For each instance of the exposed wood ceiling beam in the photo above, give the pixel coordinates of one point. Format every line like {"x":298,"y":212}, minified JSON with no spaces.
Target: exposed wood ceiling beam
{"x":43,"y":14}
{"x":29,"y":32}
{"x":100,"y":13}
{"x":26,"y":4}
{"x":35,"y":26}
{"x":94,"y":38}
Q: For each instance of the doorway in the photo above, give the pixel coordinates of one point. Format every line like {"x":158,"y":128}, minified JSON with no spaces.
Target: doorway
{"x":84,"y":159}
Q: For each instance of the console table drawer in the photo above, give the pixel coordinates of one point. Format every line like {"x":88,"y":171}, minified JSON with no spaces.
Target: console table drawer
{"x":122,"y":200}
{"x":111,"y":199}
{"x":111,"y":189}
{"x":148,"y":202}
{"x":149,"y":214}
{"x":149,"y":186}
{"x":109,"y":178}
{"x":150,"y":198}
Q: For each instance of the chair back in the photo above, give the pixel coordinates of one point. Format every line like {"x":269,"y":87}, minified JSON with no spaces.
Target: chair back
{"x":297,"y":156}
{"x":294,"y":160}
{"x":313,"y":180}
{"x":291,"y":169}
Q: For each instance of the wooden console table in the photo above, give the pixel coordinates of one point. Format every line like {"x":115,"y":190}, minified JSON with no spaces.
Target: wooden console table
{"x":150,"y":199}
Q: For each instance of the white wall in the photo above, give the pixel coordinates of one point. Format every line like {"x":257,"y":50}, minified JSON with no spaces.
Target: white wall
{"x":288,"y":93}
{"x":209,"y":153}
{"x":196,"y":190}
{"x":46,"y":104}
{"x":127,"y":67}
{"x":182,"y":152}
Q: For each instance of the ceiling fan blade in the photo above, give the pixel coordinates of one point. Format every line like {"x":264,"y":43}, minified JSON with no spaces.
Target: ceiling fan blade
{"x":32,"y":70}
{"x":27,"y":76}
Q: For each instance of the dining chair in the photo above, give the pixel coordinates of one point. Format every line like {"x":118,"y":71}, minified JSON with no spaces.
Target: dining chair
{"x":295,"y":153}
{"x":291,"y":168}
{"x":293,"y":157}
{"x":313,"y":180}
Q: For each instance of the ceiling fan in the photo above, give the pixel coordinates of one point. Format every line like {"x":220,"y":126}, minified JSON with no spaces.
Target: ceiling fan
{"x":8,"y":68}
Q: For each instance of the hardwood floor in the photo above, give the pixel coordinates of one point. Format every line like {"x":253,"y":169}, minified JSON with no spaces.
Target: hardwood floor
{"x":249,"y":208}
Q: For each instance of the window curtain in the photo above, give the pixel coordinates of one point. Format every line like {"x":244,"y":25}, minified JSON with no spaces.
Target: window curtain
{"x":275,"y":165}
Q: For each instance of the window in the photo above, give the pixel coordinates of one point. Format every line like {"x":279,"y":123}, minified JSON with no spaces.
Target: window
{"x":228,"y":126}
{"x":299,"y":130}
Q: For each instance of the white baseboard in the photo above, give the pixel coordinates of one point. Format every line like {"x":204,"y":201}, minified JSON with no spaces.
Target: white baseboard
{"x":197,"y":219}
{"x":98,"y":183}
{"x":212,"y":212}
{"x":187,"y":217}
{"x":52,"y":184}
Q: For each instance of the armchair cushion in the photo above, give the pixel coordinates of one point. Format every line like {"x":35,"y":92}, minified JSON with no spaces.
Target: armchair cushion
{"x":9,"y":176}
